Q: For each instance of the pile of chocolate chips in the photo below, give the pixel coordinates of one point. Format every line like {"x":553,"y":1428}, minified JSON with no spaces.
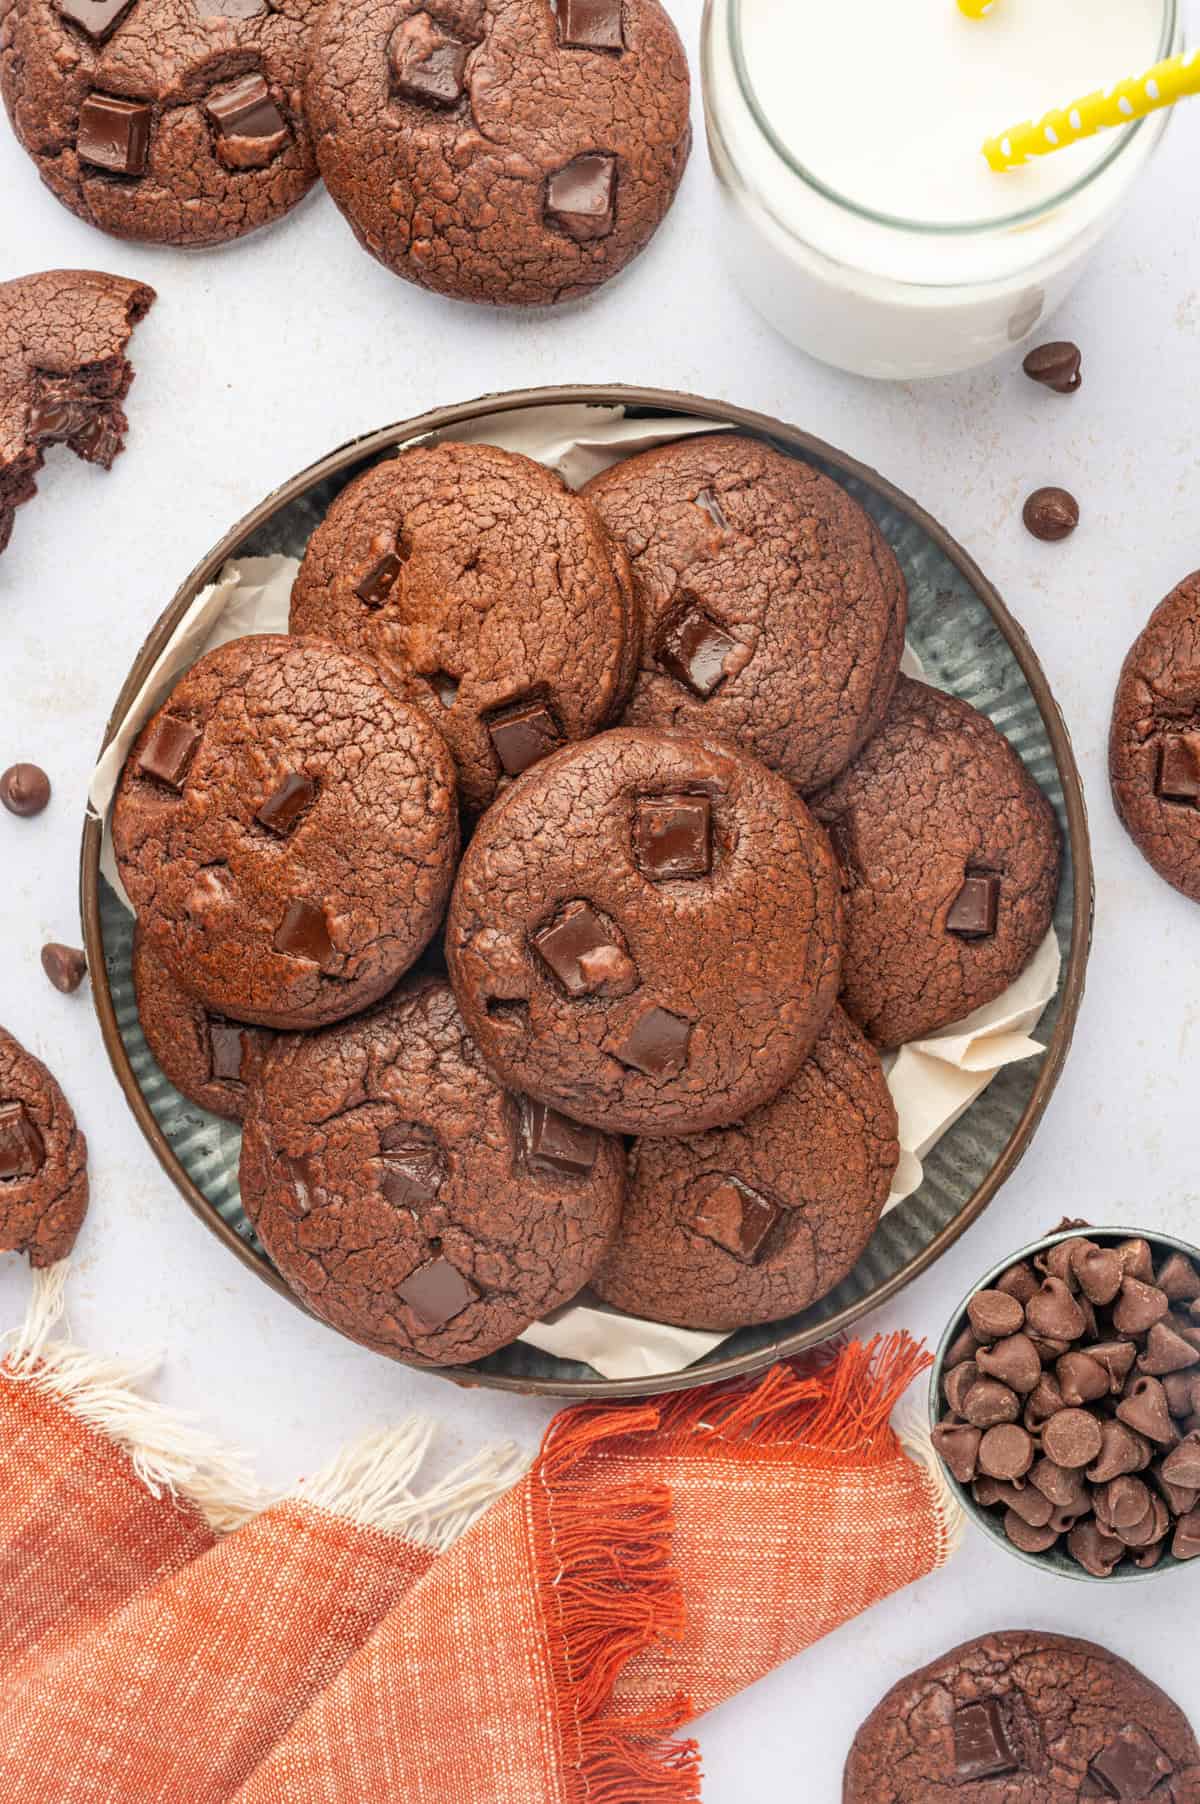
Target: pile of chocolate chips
{"x":1073,"y":1404}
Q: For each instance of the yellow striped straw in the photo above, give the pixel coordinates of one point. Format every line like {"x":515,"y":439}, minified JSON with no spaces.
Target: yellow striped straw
{"x":1161,"y":86}
{"x":976,"y":9}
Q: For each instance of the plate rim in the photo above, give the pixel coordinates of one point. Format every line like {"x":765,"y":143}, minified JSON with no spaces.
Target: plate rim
{"x":1078,"y":836}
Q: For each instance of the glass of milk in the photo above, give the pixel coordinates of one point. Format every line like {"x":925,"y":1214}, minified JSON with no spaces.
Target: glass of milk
{"x":859,"y":214}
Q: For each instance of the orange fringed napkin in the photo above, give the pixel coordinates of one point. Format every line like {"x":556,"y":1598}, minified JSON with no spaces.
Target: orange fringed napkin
{"x":170,"y":1635}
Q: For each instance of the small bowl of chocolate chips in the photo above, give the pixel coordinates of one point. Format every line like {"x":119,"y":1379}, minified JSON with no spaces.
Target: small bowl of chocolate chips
{"x":1065,"y":1403}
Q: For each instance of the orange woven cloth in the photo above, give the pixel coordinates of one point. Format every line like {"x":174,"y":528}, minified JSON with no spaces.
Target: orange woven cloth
{"x":342,"y":1647}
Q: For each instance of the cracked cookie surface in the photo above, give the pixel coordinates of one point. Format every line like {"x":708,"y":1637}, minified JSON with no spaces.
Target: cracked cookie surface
{"x":168,"y":121}
{"x":488,"y":591}
{"x":1023,"y":1717}
{"x":756,"y":1221}
{"x":950,"y":860}
{"x":492,"y":150}
{"x":63,"y":372}
{"x":407,"y":1198}
{"x":43,"y":1160}
{"x":208,"y":1059}
{"x":774,"y":608}
{"x":286,"y":828}
{"x":645,"y":933}
{"x":1154,"y":744}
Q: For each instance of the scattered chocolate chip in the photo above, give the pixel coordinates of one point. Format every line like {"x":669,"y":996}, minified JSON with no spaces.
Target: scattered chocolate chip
{"x":735,"y":1217}
{"x":656,"y":1043}
{"x":523,"y":735}
{"x":1144,"y":1409}
{"x":1014,"y":1361}
{"x":1032,"y":1506}
{"x":958,"y":1381}
{"x":1056,"y":366}
{"x":1064,"y":1486}
{"x":590,"y":24}
{"x":226,"y":1049}
{"x":1138,"y":1307}
{"x":1098,"y":1271}
{"x":1132,"y":1764}
{"x":696,"y":651}
{"x":96,"y":18}
{"x":1020,"y":1281}
{"x":581,"y":197}
{"x":1044,"y":1401}
{"x":964,"y":1346}
{"x":1072,"y":1438}
{"x":1186,"y":1544}
{"x":1096,"y":1552}
{"x":988,"y":1404}
{"x":551,"y":1142}
{"x":1121,"y":1503}
{"x":1178,"y":1279}
{"x":114,"y":134}
{"x":1117,"y":1357}
{"x":1006,"y":1451}
{"x":974,"y":911}
{"x":993,"y":1314}
{"x":1182,"y":1465}
{"x":981,"y":1746}
{"x":413,"y":1167}
{"x":169,"y":750}
{"x":958,"y":1445}
{"x":1051,"y":514}
{"x":1028,"y":1538}
{"x":24,"y":789}
{"x":672,"y":837}
{"x":66,"y":967}
{"x":1137,"y":1260}
{"x":1081,"y":1379}
{"x":1166,"y":1351}
{"x":581,"y":952}
{"x":22,"y":1151}
{"x":427,"y":64}
{"x":1177,"y":778}
{"x":245,"y":109}
{"x":437,"y":1293}
{"x":304,"y":933}
{"x":292,"y":796}
{"x":379,"y":581}
{"x":1054,"y":1312}
{"x":1121,"y":1450}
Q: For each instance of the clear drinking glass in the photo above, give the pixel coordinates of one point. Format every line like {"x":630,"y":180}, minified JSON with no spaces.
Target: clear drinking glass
{"x":879,"y":294}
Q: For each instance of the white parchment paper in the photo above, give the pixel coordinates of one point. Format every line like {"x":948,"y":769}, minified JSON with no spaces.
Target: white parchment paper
{"x":932,"y":1081}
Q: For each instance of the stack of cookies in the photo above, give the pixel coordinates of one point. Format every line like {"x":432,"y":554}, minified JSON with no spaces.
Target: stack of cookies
{"x":542,"y":904}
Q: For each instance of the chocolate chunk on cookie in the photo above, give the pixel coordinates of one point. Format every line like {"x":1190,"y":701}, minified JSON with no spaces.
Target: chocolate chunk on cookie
{"x":489,"y":593}
{"x":500,"y":150}
{"x":753,"y":1222}
{"x":63,"y":372}
{"x":1154,"y":744}
{"x":43,"y":1160}
{"x":775,"y":611}
{"x":627,"y":995}
{"x":209,"y":1059}
{"x":407,"y":1198}
{"x":1029,"y":1717}
{"x":950,"y":857}
{"x":168,"y":121}
{"x":286,"y":828}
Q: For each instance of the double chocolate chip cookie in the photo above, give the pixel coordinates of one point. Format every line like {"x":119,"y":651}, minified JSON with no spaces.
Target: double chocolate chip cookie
{"x":43,"y":1160}
{"x":1154,"y":745}
{"x":172,"y":121}
{"x":950,"y":856}
{"x":208,"y":1059}
{"x":775,"y":610}
{"x":754,"y":1222}
{"x":286,"y":828}
{"x":646,"y":933}
{"x":63,"y":372}
{"x":490,"y":595}
{"x":1025,"y":1718}
{"x":511,"y":151}
{"x":407,"y":1198}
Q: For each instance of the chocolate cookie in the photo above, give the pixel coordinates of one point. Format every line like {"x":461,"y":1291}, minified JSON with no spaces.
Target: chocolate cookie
{"x":645,"y":933}
{"x":775,"y":610}
{"x":1027,"y":1718}
{"x":1154,"y":746}
{"x":43,"y":1160}
{"x":171,"y":121}
{"x":208,"y":1059}
{"x":286,"y":829}
{"x":950,"y":857}
{"x":507,"y":151}
{"x":63,"y":372}
{"x":407,"y":1198}
{"x":489,"y":593}
{"x":753,"y":1222}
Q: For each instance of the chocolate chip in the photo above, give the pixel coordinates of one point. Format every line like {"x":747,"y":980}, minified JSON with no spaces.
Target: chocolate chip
{"x":1186,"y":1544}
{"x":987,"y":1404}
{"x":1081,"y":1379}
{"x":1166,"y":1351}
{"x":1098,"y":1271}
{"x":1121,"y":1450}
{"x":581,"y":952}
{"x":590,"y":25}
{"x":24,"y":789}
{"x":245,"y":109}
{"x":1026,"y":1537}
{"x":1044,"y":1401}
{"x":1178,"y":1386}
{"x":1117,"y":1357}
{"x":1056,"y":1261}
{"x":1056,"y":366}
{"x":1131,"y":1765}
{"x":1178,"y":1279}
{"x":993,"y":1314}
{"x":958,"y":1445}
{"x":66,"y":967}
{"x":304,"y":933}
{"x":226,"y":1048}
{"x":672,"y":837}
{"x":1006,"y":1451}
{"x":1182,"y":1465}
{"x":974,"y":911}
{"x":1063,"y":1486}
{"x":1020,"y":1281}
{"x":735,"y":1217}
{"x":957,"y":1382}
{"x":1122,"y":1502}
{"x":1072,"y":1438}
{"x":1139,"y":1306}
{"x":580,"y":197}
{"x":1147,"y":1559}
{"x":656,"y":1043}
{"x":428,"y":66}
{"x":114,"y":134}
{"x":964,"y":1346}
{"x":1033,"y":1507}
{"x":1137,"y":1260}
{"x":1014,"y":1361}
{"x":1096,"y":1552}
{"x":290,"y":798}
{"x":708,"y":504}
{"x":1144,"y":1409}
{"x":169,"y":749}
{"x":1151,"y":1527}
{"x":1177,"y":778}
{"x":59,"y":412}
{"x":379,"y":581}
{"x":22,"y":1152}
{"x":437,"y":1293}
{"x":523,"y":735}
{"x":413,"y":1168}
{"x":982,"y":1749}
{"x":550,"y":1142}
{"x":1054,"y":1312}
{"x":1051,"y":514}
{"x":696,"y":651}
{"x":96,"y":18}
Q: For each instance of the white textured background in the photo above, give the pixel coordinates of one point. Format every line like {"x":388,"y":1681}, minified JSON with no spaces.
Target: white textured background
{"x":262,"y":357}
